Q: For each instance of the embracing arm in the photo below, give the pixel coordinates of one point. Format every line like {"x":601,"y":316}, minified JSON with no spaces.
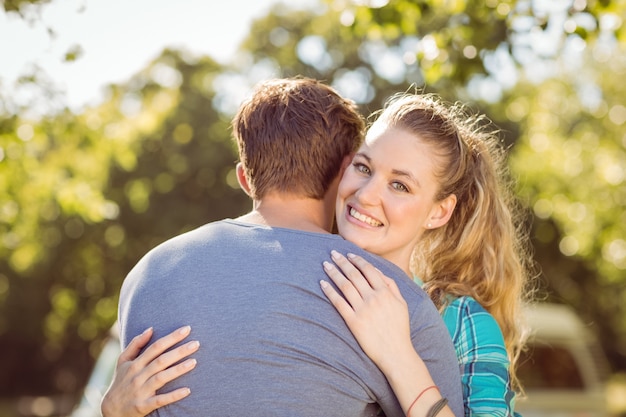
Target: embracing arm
{"x":138,"y":376}
{"x":377,"y":315}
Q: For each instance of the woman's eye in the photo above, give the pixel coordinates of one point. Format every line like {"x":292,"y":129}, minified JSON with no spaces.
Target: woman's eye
{"x":361,"y":168}
{"x":398,"y":186}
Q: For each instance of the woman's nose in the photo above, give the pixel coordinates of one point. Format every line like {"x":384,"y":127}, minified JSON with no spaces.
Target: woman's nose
{"x":369,"y":192}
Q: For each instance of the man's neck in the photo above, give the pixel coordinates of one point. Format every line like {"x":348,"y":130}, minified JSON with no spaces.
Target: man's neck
{"x":292,"y":212}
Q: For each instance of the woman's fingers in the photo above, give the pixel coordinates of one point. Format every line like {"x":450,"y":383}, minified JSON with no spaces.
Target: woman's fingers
{"x":161,"y":400}
{"x":356,"y":278}
{"x":135,"y":346}
{"x":163,"y":344}
{"x":355,"y":288}
{"x":351,"y":274}
{"x":341,"y":305}
{"x":133,"y":391}
{"x":155,"y":358}
{"x":393,"y":286}
{"x":161,"y":371}
{"x":137,"y":407}
{"x":369,"y":271}
{"x":363,"y":275}
{"x":158,"y":380}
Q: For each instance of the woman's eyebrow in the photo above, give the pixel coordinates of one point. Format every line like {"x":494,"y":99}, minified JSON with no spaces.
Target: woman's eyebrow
{"x":407,"y":175}
{"x":398,"y":172}
{"x":363,"y":155}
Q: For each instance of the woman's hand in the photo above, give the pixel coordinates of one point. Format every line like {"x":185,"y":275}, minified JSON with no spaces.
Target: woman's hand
{"x":378,"y":316}
{"x":373,"y":308}
{"x":137,"y":377}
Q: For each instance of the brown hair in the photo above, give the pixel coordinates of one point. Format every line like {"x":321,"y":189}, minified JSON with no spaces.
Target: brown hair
{"x":292,"y":135}
{"x":483,"y":250}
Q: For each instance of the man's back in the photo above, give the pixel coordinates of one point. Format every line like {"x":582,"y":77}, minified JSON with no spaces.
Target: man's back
{"x":271,"y":344}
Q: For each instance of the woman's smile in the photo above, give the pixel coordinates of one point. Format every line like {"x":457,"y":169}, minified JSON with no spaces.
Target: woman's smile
{"x":362,"y":217}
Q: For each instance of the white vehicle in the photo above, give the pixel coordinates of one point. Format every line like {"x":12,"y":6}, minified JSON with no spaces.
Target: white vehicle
{"x":100,"y":378}
{"x":564,"y":370}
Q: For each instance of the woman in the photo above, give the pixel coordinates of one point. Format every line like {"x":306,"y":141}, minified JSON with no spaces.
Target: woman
{"x":427,"y":192}
{"x":431,"y":180}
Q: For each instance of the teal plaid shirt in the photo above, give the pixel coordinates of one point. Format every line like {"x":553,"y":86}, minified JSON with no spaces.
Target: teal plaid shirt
{"x":483,"y":359}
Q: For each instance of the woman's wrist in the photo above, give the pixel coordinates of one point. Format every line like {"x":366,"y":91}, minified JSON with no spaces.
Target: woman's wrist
{"x":415,"y":401}
{"x":395,"y":356}
{"x":429,"y":403}
{"x":405,"y":366}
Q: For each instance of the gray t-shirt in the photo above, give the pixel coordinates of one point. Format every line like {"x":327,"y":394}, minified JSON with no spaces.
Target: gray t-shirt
{"x":271,"y":344}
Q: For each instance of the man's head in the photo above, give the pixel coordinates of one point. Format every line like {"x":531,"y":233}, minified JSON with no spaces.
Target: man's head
{"x":293,"y":135}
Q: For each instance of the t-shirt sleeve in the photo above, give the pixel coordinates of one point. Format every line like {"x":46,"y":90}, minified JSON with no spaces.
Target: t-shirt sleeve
{"x":483,"y":359}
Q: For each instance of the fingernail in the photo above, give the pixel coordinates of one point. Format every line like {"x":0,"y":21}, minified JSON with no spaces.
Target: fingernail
{"x":149,"y":329}
{"x":190,"y":363}
{"x":334,"y":254}
{"x":193,"y":345}
{"x":185,"y":330}
{"x":327,"y":265}
{"x":351,"y":255}
{"x":323,"y":284}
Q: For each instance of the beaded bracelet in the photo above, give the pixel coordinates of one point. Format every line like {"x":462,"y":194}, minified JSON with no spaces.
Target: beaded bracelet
{"x":437,"y":407}
{"x":408,"y":411}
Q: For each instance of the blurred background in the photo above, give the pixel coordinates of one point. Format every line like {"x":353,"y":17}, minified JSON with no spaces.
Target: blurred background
{"x":114,"y":136}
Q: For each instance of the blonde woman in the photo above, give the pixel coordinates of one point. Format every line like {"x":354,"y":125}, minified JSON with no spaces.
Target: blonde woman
{"x":468,"y":250}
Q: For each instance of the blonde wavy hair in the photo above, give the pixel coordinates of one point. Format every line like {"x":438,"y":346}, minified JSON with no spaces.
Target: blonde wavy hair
{"x":483,"y":250}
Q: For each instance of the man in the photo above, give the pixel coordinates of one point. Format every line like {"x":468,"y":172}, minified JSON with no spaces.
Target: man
{"x":271,"y":344}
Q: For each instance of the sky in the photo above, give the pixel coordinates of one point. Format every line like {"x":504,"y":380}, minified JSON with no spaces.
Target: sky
{"x":119,"y":38}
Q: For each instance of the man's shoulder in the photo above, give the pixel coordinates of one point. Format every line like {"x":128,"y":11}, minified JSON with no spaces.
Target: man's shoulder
{"x":179,"y":246}
{"x":197,"y":235}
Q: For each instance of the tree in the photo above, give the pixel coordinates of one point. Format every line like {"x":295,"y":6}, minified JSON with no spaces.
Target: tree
{"x":85,"y":196}
{"x":571,"y":160}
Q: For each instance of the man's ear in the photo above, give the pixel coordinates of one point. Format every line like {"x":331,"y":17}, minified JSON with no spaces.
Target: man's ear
{"x":441,"y":213}
{"x":345,"y":163}
{"x":241,"y":178}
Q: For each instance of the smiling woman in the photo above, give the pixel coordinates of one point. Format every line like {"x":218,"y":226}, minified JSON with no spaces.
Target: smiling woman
{"x":429,"y":191}
{"x":386,"y":197}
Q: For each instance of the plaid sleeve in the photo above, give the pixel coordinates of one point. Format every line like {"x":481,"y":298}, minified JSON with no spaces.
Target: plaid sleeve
{"x":483,"y":359}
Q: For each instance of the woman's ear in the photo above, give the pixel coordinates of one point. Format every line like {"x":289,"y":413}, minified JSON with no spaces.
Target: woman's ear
{"x":241,"y":178}
{"x":442,"y":211}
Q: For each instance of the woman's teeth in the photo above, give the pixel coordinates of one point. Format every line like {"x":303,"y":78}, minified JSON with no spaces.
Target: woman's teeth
{"x":364,"y":218}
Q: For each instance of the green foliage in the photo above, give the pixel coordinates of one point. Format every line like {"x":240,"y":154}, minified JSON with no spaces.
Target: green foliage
{"x":85,"y":196}
{"x":571,"y":159}
{"x":18,"y":6}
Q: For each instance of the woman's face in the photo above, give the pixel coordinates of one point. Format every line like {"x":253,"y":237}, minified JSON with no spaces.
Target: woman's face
{"x":386,"y":196}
